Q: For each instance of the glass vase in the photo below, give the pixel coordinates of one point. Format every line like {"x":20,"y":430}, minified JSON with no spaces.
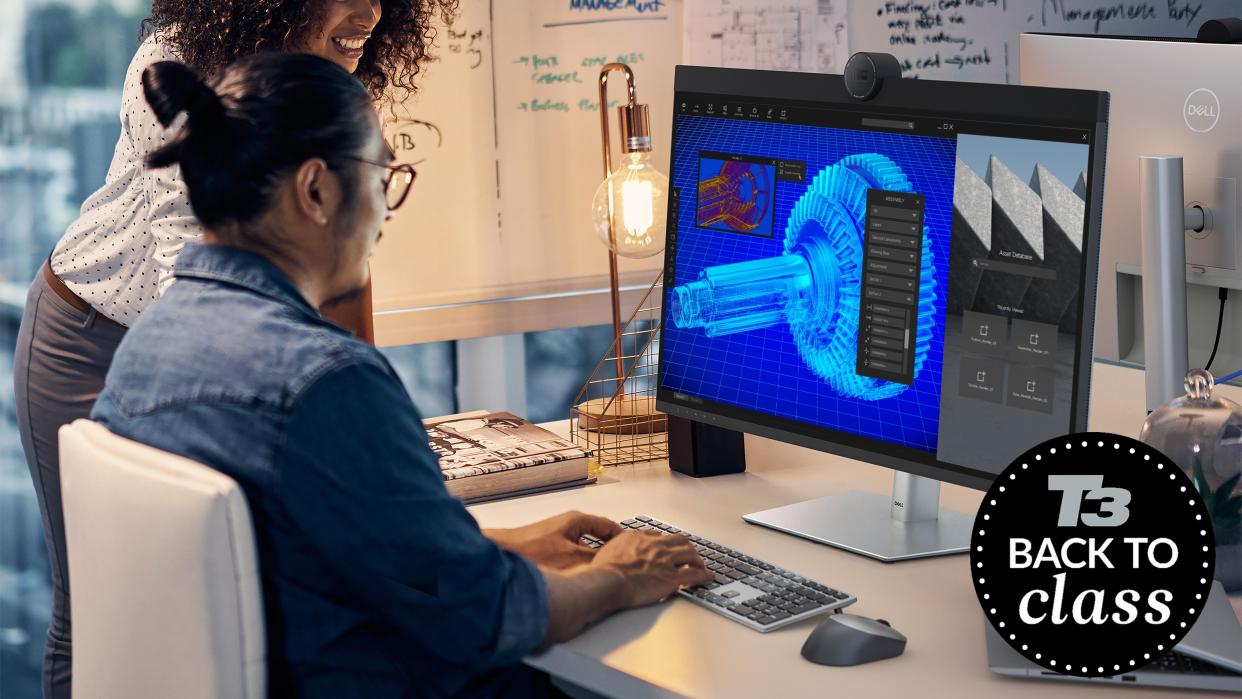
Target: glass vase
{"x":1202,"y":434}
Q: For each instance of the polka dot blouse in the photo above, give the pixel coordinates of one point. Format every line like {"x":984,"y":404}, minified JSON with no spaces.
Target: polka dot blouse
{"x":118,"y":255}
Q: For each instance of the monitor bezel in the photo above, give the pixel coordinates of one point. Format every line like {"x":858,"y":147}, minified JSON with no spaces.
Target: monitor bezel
{"x":1020,"y":105}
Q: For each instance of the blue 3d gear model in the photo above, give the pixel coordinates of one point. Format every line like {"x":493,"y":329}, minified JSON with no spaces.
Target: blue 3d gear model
{"x":814,"y":286}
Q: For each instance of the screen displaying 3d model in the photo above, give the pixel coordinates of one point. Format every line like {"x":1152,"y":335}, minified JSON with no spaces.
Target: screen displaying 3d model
{"x":895,"y":286}
{"x":794,"y":313}
{"x":813,"y":287}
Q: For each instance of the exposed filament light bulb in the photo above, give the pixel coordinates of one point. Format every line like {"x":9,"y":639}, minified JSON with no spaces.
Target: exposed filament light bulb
{"x":634,"y":200}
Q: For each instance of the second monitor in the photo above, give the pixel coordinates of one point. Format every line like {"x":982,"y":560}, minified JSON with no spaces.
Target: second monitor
{"x":908,"y":281}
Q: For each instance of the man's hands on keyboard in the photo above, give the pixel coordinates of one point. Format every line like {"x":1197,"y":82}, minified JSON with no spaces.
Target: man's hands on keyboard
{"x":745,"y":589}
{"x":557,"y":542}
{"x":653,"y":566}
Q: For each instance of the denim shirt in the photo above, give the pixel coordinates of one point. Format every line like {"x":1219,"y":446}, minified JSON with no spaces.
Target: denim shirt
{"x":376,"y":581}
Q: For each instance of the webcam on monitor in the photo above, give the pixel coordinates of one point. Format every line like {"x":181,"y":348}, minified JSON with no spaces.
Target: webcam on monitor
{"x":865,"y":73}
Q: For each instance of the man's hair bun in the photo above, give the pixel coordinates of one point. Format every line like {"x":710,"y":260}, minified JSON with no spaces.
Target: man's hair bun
{"x":172,"y":88}
{"x":256,"y":121}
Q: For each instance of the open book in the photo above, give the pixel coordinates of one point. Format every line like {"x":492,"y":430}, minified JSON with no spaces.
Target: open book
{"x":485,"y":455}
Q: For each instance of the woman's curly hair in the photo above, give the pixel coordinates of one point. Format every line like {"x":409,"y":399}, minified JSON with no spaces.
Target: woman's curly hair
{"x":210,"y":34}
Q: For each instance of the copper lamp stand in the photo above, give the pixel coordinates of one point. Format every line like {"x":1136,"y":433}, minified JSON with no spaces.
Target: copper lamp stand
{"x":616,"y":419}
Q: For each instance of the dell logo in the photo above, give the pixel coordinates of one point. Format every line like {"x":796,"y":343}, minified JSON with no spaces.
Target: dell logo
{"x":1201,"y":110}
{"x":898,"y":503}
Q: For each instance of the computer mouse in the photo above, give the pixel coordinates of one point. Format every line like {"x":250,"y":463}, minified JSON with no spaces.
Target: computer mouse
{"x":849,"y":639}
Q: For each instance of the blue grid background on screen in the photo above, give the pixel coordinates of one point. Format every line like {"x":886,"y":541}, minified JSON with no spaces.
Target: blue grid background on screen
{"x":761,"y":370}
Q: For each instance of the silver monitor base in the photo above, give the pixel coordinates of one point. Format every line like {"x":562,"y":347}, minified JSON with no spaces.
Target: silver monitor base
{"x":908,"y":524}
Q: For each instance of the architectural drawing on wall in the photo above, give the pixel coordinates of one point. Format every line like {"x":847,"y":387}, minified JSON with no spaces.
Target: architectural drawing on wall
{"x":799,"y":35}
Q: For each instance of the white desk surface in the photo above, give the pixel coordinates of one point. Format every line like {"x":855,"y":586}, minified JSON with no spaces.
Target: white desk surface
{"x":679,"y":649}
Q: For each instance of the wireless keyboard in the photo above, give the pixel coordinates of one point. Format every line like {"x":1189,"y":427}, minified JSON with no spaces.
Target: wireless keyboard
{"x":747,"y":590}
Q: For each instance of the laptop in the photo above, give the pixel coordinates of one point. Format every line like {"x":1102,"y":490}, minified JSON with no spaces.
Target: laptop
{"x":1209,"y":657}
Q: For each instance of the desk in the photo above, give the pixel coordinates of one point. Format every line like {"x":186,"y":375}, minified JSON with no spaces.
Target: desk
{"x":678,"y":649}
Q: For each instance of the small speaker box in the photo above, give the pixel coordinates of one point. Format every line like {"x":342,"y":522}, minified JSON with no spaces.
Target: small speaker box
{"x":699,"y":450}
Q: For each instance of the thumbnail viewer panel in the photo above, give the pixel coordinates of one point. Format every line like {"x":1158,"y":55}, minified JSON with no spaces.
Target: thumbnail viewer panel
{"x":735,"y":194}
{"x":770,"y":321}
{"x":1014,"y":297}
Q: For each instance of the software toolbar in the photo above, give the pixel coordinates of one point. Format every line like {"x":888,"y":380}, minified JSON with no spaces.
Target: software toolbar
{"x":864,"y":118}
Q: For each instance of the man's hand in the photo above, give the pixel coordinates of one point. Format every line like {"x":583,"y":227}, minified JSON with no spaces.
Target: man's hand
{"x":553,"y":542}
{"x":653,"y":566}
{"x":631,"y":570}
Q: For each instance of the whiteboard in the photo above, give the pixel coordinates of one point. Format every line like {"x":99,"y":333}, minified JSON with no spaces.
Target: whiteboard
{"x":496,"y":236}
{"x":977,"y":40}
{"x":446,"y":132}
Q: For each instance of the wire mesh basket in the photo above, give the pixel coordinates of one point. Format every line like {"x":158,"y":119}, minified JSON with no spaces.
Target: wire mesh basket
{"x":614,"y":417}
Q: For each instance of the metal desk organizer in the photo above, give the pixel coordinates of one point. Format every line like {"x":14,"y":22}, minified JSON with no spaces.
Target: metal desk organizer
{"x":614,"y":417}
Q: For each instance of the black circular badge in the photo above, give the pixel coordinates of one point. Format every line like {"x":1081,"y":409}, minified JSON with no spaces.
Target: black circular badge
{"x":1092,"y":554}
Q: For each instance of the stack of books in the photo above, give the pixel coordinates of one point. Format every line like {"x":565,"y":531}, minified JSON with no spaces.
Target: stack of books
{"x":488,"y":456}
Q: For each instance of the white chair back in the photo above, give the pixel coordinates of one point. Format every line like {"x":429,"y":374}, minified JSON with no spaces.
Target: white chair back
{"x":163,"y":578}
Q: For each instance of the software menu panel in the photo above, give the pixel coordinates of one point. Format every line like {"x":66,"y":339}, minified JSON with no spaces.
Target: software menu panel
{"x":892,"y":249}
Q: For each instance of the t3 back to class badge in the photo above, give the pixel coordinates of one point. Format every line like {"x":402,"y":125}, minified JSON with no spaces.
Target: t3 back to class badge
{"x":1092,"y":554}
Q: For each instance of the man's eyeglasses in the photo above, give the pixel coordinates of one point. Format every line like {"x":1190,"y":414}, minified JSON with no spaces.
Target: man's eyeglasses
{"x":397,"y":182}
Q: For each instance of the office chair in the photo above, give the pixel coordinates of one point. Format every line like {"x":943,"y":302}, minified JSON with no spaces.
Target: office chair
{"x":163,"y":576}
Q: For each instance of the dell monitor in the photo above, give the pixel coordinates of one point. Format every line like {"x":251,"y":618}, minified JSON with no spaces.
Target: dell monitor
{"x":1185,"y":101}
{"x":908,"y":281}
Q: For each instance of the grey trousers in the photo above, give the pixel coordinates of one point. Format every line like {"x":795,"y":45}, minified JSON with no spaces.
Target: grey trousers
{"x":58,"y":371}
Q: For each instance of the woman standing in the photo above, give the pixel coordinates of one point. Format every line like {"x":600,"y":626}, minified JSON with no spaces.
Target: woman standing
{"x":118,"y":256}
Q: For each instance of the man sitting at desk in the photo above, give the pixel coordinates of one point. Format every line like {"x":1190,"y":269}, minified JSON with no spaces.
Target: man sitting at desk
{"x":376,"y":582}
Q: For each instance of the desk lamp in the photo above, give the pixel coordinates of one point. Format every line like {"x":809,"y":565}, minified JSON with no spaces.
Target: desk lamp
{"x":629,"y":212}
{"x":630,"y":205}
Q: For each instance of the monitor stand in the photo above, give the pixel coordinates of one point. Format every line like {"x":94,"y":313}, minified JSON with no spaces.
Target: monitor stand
{"x":909,"y":524}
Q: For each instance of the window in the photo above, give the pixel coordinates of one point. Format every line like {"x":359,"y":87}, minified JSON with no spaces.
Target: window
{"x":62,"y":63}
